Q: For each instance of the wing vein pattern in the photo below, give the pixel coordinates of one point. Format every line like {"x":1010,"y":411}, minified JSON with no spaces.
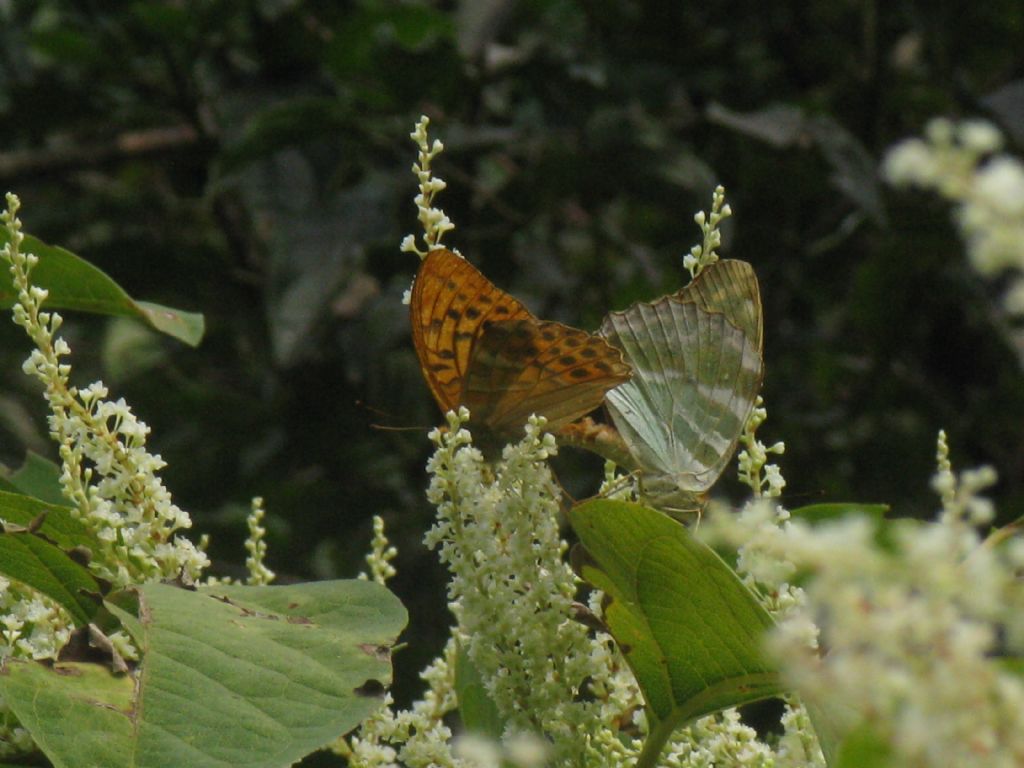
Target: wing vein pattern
{"x":697,"y":367}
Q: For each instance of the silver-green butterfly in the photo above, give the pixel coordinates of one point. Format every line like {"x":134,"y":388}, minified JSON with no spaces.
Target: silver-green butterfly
{"x":697,"y":367}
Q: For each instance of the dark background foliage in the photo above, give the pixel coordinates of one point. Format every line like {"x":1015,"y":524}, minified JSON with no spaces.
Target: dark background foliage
{"x":250,"y":160}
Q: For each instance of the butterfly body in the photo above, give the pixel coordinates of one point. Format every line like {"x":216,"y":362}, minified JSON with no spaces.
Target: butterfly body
{"x":697,"y":367}
{"x":481,"y":348}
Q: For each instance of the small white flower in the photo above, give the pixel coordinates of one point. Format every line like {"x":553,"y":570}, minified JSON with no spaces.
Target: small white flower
{"x":910,"y":162}
{"x":477,"y":751}
{"x":988,"y":190}
{"x":999,"y":185}
{"x":980,"y":136}
{"x":526,"y":750}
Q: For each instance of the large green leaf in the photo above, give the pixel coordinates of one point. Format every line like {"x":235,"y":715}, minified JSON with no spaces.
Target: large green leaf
{"x":40,"y":558}
{"x":74,"y":283}
{"x":59,"y":524}
{"x":251,"y":677}
{"x":75,"y":703}
{"x":38,"y":477}
{"x":36,"y":562}
{"x":689,"y":629}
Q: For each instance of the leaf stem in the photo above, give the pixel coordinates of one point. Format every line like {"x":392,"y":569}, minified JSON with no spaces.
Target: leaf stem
{"x":655,"y":743}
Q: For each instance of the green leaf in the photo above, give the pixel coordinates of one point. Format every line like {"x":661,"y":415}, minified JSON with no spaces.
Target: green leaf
{"x":38,"y":477}
{"x":831,"y":722}
{"x":1012,"y":664}
{"x":124,"y":607}
{"x":76,"y":284}
{"x":689,"y":629}
{"x":864,"y":748}
{"x":253,"y":677}
{"x":816,"y":513}
{"x":476,"y":708}
{"x":40,"y":559}
{"x":80,"y":704}
{"x":60,"y":526}
{"x":45,"y":567}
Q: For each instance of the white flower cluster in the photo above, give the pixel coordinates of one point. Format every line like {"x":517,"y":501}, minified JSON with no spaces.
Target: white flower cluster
{"x":435,"y":222}
{"x":561,"y":693}
{"x":511,"y":590}
{"x":256,"y":546}
{"x":959,"y":162}
{"x":763,"y":478}
{"x":31,"y":627}
{"x":522,"y":750}
{"x":719,"y":740}
{"x":416,"y":737}
{"x":911,"y":622}
{"x":567,"y":698}
{"x":701,"y":256}
{"x":380,"y":556}
{"x":107,"y":473}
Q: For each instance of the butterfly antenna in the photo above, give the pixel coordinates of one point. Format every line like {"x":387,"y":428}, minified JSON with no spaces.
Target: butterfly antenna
{"x":385,"y":415}
{"x":372,"y":409}
{"x":390,"y":428}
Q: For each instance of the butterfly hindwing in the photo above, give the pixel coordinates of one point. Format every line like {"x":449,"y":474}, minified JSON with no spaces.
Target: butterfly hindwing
{"x":527,"y":366}
{"x":697,"y":369}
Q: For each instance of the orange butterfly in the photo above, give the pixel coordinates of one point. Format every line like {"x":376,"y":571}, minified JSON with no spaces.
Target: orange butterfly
{"x":480,"y":348}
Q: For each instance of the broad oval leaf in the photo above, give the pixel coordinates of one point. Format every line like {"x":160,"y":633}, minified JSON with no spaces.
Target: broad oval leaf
{"x":42,"y":565}
{"x":74,"y":283}
{"x":59,"y":523}
{"x":40,"y":559}
{"x":253,"y":677}
{"x":689,"y":629}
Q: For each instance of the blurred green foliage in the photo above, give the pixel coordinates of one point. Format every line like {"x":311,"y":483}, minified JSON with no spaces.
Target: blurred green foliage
{"x":249,"y":159}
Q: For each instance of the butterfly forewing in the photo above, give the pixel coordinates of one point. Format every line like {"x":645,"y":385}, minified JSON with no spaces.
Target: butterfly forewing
{"x":481,"y":348}
{"x":730,"y":286}
{"x":450,"y":305}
